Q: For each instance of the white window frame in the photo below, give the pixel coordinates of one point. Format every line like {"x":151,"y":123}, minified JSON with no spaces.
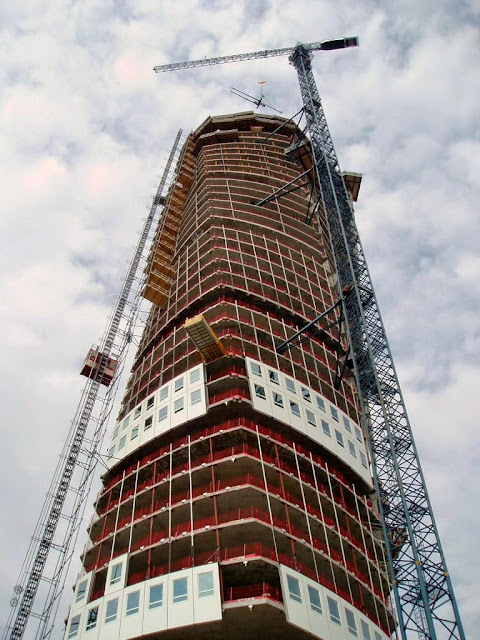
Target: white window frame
{"x":148,"y":423}
{"x":277,"y":399}
{"x":163,"y":414}
{"x":314,"y":606}
{"x":351,"y":448}
{"x":73,"y":633}
{"x":195,"y":397}
{"x":132,"y":609}
{"x":296,"y":412}
{"x":116,"y":576}
{"x":321,"y":404}
{"x":155,"y":604}
{"x":134,"y":433}
{"x":81,"y":592}
{"x":260,"y":392}
{"x":326,"y":428}
{"x":334,"y":413}
{"x":363,"y":460}
{"x":334,"y":611}
{"x":256,"y":369}
{"x":273,"y":376}
{"x":122,"y":442}
{"x":194,"y":376}
{"x":91,"y":624}
{"x":163,"y":394}
{"x":352,"y":628}
{"x":126,"y":422}
{"x":137,"y":412}
{"x":150,"y":402}
{"x":178,"y":384}
{"x":346,"y":424}
{"x":290,"y":384}
{"x":180,"y":597}
{"x":306,"y":395}
{"x":365,"y":630}
{"x":210,"y":589}
{"x":294,"y":589}
{"x":311,"y":417}
{"x":179,"y":405}
{"x":339,"y":438}
{"x":112,"y":616}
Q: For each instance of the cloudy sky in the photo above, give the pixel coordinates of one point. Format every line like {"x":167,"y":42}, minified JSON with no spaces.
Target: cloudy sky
{"x":86,"y":128}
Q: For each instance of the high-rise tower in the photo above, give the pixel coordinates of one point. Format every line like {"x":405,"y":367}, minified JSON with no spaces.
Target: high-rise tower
{"x":239,"y":498}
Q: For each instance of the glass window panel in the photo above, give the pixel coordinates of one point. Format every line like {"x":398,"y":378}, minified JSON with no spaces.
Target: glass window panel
{"x":111,"y":451}
{"x":138,"y":411}
{"x":150,"y":402}
{"x":334,"y":413}
{"x":180,"y":590}
{"x":377,"y":635}
{"x":156,"y":596}
{"x":115,"y":432}
{"x":290,"y":385}
{"x":351,"y":448}
{"x":260,"y":392}
{"x":256,"y":369}
{"x":74,"y":625}
{"x":205,"y":584}
{"x":306,"y":394}
{"x":277,"y":399}
{"x":111,"y":610}
{"x":365,"y":630}
{"x":314,"y":597}
{"x":163,"y":393}
{"x":294,"y":588}
{"x":311,"y":418}
{"x":126,"y":422}
{"x":178,"y":385}
{"x":81,"y":591}
{"x":133,"y":603}
{"x":320,"y":403}
{"x":346,"y":424}
{"x":163,"y":414}
{"x":148,"y":423}
{"x":334,"y":611}
{"x":326,"y":428}
{"x":116,"y":574}
{"x":273,"y":377}
{"x":196,"y":397}
{"x":295,"y":409}
{"x":134,"y":433}
{"x":194,"y":376}
{"x":351,"y":624}
{"x":92,"y":617}
{"x":358,"y":434}
{"x":121,"y":442}
{"x":339,"y":438}
{"x":363,"y":460}
{"x":179,"y":405}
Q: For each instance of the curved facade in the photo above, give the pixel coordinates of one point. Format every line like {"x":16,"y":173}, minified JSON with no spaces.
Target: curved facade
{"x":238,"y":499}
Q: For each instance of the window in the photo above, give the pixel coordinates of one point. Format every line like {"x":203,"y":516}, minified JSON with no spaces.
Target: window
{"x":351,"y":448}
{"x":363,"y":460}
{"x":326,"y":428}
{"x":310,"y":418}
{"x":133,"y":603}
{"x":260,"y":392}
{"x":156,"y":596}
{"x":294,"y":589}
{"x":163,"y":414}
{"x":126,"y":422}
{"x":377,"y":635}
{"x":334,"y":611}
{"x":365,"y":630}
{"x":163,"y":393}
{"x":138,"y":411}
{"x":320,"y":403}
{"x":351,"y":624}
{"x":111,"y":610}
{"x":256,"y":369}
{"x":306,"y":394}
{"x":339,"y":438}
{"x":81,"y":591}
{"x":115,"y":432}
{"x":205,"y":584}
{"x":273,"y":377}
{"x":92,"y":617}
{"x":194,"y":376}
{"x":134,"y":432}
{"x":334,"y":413}
{"x":74,"y":625}
{"x":116,"y":574}
{"x":178,"y":405}
{"x":180,"y":590}
{"x":196,"y":397}
{"x":290,"y":385}
{"x":150,"y":402}
{"x":358,"y":434}
{"x":121,"y":442}
{"x":314,"y":597}
{"x":277,"y":399}
{"x":148,"y":423}
{"x":178,"y":385}
{"x":111,"y":451}
{"x":346,"y":424}
{"x":295,"y":409}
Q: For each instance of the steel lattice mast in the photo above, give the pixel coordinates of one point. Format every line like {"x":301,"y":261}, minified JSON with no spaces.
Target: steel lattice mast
{"x":80,"y":453}
{"x":421,"y":582}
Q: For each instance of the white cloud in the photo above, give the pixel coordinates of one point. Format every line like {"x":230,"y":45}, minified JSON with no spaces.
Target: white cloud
{"x":86,"y":126}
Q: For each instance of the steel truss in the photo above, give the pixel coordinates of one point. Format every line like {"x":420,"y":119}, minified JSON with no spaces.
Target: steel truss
{"x":66,"y":498}
{"x":421,"y":583}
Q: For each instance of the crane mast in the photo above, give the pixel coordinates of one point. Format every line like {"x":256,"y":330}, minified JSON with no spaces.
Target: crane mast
{"x":80,"y":453}
{"x":421,"y":583}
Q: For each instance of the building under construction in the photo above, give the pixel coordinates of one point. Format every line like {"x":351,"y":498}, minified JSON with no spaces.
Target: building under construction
{"x":239,"y":499}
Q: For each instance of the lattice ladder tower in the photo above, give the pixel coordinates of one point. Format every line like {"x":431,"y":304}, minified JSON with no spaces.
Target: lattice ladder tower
{"x":80,"y":453}
{"x":421,"y":583}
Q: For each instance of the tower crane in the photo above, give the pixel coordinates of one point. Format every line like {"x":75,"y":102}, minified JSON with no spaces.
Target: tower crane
{"x":51,"y":546}
{"x":421,"y":584}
